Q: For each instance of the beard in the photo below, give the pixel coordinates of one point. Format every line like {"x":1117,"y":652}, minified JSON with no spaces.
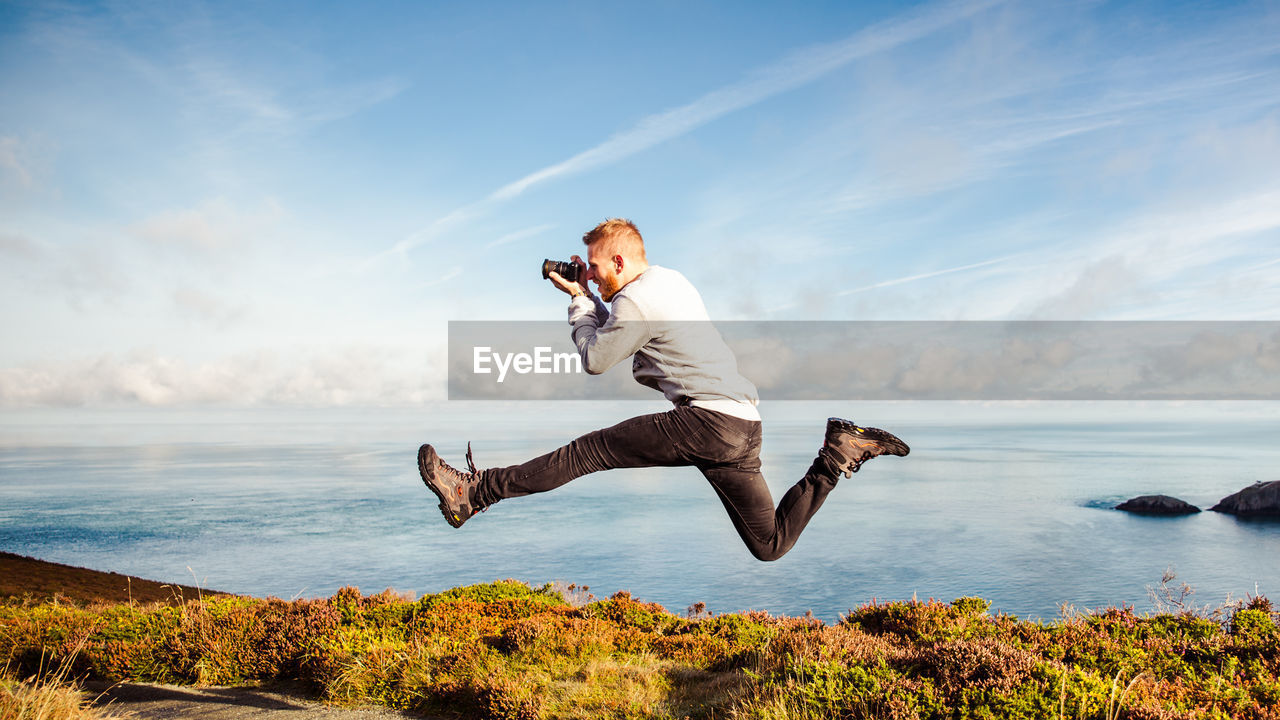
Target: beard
{"x":608,"y":288}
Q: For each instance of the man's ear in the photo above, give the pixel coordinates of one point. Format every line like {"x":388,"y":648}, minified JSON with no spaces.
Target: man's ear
{"x":617,"y":263}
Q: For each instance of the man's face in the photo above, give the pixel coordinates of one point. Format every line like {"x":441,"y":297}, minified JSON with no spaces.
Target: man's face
{"x":601,"y":270}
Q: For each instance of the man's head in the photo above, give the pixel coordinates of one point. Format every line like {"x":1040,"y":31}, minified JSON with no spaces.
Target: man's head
{"x":615,"y":255}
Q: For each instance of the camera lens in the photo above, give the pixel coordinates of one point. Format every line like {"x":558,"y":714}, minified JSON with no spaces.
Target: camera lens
{"x":567,"y":270}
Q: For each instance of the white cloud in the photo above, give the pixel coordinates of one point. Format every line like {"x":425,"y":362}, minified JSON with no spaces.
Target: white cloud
{"x":793,"y":71}
{"x":351,"y":376}
{"x":203,"y":306}
{"x":241,"y":100}
{"x":214,"y":228}
{"x":1088,"y":291}
{"x":250,"y":98}
{"x":13,"y":167}
{"x":455,"y":218}
{"x":79,"y":274}
{"x":521,"y":235}
{"x":1146,"y":172}
{"x":219,"y":77}
{"x":1162,"y":254}
{"x":445,"y":277}
{"x":19,"y":247}
{"x":922,"y":276}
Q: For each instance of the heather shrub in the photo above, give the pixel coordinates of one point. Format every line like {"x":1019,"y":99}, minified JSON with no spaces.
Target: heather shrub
{"x":508,"y":650}
{"x":384,"y":610}
{"x":283,"y":633}
{"x":525,"y":635}
{"x":985,"y":664}
{"x":506,"y":699}
{"x":622,"y":610}
{"x":494,"y":591}
{"x":696,"y":650}
{"x":925,"y":621}
{"x":38,"y":638}
{"x":579,"y":639}
{"x":1253,"y":624}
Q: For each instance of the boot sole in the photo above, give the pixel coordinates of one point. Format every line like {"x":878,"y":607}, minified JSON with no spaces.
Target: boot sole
{"x":892,"y":444}
{"x":426,"y":458}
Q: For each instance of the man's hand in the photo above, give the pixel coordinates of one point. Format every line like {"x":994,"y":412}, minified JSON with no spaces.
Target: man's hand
{"x":574,"y":289}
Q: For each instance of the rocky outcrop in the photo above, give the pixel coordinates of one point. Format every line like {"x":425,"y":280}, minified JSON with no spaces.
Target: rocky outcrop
{"x":1262,"y":498}
{"x":1158,"y":505}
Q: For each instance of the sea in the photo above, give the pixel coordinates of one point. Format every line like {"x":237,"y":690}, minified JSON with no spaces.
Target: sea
{"x":1010,"y":502}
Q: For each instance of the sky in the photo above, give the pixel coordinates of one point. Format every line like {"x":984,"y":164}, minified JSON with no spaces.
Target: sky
{"x":284,"y":204}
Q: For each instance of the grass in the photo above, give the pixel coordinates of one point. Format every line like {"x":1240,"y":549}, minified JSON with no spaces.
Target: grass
{"x":509,"y":651}
{"x":47,"y":701}
{"x":48,"y":696}
{"x":22,"y":576}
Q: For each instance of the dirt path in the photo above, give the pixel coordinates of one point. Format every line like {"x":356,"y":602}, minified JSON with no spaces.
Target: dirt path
{"x":160,"y":702}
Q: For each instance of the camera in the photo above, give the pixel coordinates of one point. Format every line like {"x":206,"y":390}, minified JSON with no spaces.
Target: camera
{"x":567,"y":270}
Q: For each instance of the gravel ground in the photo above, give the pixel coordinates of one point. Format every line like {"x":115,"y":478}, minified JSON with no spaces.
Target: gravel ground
{"x":161,"y":702}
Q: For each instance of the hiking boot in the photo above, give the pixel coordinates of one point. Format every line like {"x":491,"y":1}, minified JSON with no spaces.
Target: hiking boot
{"x":847,"y":446}
{"x":454,"y":487}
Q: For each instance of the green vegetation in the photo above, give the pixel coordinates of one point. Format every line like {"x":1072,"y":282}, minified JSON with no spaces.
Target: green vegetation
{"x":47,"y":695}
{"x":508,"y":650}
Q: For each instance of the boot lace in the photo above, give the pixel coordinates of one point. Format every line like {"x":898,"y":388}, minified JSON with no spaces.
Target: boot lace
{"x":467,"y":479}
{"x":839,"y":459}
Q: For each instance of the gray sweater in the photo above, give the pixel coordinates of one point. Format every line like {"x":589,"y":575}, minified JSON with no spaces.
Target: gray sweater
{"x":659,"y":319}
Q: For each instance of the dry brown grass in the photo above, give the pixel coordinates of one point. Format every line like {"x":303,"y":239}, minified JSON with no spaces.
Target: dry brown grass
{"x":49,"y":695}
{"x":38,"y":580}
{"x":34,"y":700}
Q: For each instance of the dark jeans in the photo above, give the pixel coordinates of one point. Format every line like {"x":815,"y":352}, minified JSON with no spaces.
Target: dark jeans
{"x":725,"y":448}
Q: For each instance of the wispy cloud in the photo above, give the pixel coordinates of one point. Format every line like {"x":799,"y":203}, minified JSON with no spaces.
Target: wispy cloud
{"x":223,"y":88}
{"x":520,"y":235}
{"x":1147,"y":172}
{"x":1202,"y":258}
{"x":80,"y":277}
{"x":1014,"y":105}
{"x":922,"y":276}
{"x":448,"y":275}
{"x":215,"y":229}
{"x":454,"y":219}
{"x":218,"y":91}
{"x":19,"y":247}
{"x":11,"y":164}
{"x":793,"y":71}
{"x":206,"y":307}
{"x":354,"y":375}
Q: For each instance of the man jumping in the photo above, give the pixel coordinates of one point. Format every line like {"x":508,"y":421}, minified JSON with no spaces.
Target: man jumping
{"x":658,"y":319}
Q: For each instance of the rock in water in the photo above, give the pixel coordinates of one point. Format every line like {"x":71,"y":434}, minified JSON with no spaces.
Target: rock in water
{"x":1158,"y":505}
{"x":1261,"y":498}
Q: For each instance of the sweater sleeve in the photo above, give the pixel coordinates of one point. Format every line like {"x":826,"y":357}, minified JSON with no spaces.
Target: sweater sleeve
{"x":605,"y":339}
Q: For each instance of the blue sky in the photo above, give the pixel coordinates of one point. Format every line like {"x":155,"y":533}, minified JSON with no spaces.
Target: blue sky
{"x":283,"y":203}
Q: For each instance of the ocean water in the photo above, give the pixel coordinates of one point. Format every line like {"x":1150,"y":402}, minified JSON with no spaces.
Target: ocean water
{"x":1009,"y":502}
